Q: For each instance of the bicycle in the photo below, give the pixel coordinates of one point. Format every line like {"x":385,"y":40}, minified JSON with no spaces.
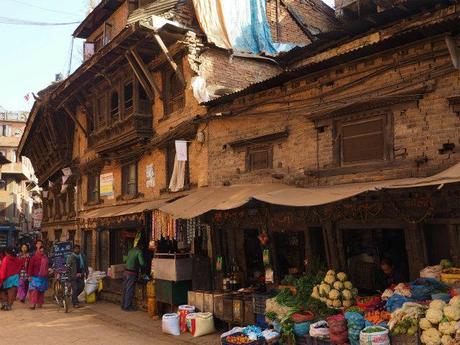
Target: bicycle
{"x":62,"y":288}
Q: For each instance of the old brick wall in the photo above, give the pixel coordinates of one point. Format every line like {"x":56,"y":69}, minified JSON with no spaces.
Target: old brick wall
{"x":420,"y":127}
{"x":118,"y":20}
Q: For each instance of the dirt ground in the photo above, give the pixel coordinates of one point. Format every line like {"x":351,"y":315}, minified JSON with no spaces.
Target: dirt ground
{"x":97,"y":324}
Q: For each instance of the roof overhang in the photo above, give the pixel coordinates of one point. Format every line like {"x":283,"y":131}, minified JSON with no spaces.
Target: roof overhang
{"x":97,"y":17}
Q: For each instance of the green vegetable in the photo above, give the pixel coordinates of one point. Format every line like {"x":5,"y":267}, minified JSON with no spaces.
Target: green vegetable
{"x":272,"y":316}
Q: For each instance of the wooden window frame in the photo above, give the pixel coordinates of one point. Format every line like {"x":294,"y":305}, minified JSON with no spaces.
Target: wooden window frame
{"x":98,"y":42}
{"x":100,"y":112}
{"x":387,"y":131}
{"x":251,"y":150}
{"x":114,"y":113}
{"x":126,"y":180}
{"x":170,"y":154}
{"x":128,"y":104}
{"x":93,"y":188}
{"x":171,"y":81}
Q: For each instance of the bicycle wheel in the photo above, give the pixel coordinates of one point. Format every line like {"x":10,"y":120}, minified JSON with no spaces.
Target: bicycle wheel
{"x":66,"y":303}
{"x":57,"y":292}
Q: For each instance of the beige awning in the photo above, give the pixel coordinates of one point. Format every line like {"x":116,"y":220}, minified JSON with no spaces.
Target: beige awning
{"x":216,"y":198}
{"x":143,"y":206}
{"x":225,"y":198}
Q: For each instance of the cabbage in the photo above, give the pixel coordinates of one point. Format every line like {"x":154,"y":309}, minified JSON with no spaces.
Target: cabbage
{"x":341,"y":276}
{"x":334,"y":294}
{"x":348,"y":285}
{"x":347,"y":295}
{"x":324,"y":289}
{"x":338,"y":285}
{"x":337,"y":304}
{"x":329,"y":279}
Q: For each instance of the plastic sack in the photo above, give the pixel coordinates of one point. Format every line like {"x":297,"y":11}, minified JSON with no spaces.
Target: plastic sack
{"x":91,"y":286}
{"x":170,"y":324}
{"x":396,"y":301}
{"x":355,"y":322}
{"x":184,"y":310}
{"x":188,"y":321}
{"x":234,"y":330}
{"x":319,"y":329}
{"x":301,"y":329}
{"x":375,"y":338}
{"x":431,"y":272}
{"x":202,"y":324}
{"x":338,"y":329}
{"x":82,"y":297}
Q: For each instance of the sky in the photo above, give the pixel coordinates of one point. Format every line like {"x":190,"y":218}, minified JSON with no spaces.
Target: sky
{"x":31,"y":56}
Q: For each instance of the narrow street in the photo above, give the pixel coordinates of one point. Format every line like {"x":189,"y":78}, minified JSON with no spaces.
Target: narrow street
{"x":99,"y":324}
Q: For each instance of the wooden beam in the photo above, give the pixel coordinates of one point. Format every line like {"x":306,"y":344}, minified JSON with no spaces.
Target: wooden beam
{"x":74,"y":118}
{"x":146,"y":71}
{"x":454,"y":51}
{"x":169,"y":57}
{"x":139,"y":76}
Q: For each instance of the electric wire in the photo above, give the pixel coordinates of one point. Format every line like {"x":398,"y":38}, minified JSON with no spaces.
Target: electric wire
{"x":42,"y":8}
{"x":15,"y":21}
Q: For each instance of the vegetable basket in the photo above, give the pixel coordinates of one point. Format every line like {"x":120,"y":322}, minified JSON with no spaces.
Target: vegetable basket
{"x":226,"y":340}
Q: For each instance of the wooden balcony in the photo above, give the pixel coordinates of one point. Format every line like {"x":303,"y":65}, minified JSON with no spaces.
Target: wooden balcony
{"x":122,"y":133}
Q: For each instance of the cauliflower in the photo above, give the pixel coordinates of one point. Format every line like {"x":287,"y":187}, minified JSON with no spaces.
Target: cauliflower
{"x":337,"y":304}
{"x":341,"y":276}
{"x":425,"y":324}
{"x":330,"y":303}
{"x":431,"y":337}
{"x":324,"y":289}
{"x":330,"y":273}
{"x":447,"y":327}
{"x":323,"y":299}
{"x":437,"y":304}
{"x":348,"y":285}
{"x":387,"y":294}
{"x":434,"y":315}
{"x":329,"y":279}
{"x":455,"y":301}
{"x":347,"y":303}
{"x":338,"y":285}
{"x":347,"y":295}
{"x":447,"y":340}
{"x":452,"y":313}
{"x":315,"y":293}
{"x":334,"y":294}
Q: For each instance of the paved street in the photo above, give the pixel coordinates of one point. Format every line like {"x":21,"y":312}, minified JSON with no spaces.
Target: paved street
{"x":99,"y":324}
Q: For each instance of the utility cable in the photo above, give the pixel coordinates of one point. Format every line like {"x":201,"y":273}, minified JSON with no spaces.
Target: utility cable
{"x":42,"y":8}
{"x":15,"y":21}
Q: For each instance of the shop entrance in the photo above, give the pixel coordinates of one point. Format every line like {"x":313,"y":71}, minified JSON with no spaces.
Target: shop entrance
{"x":438,"y":238}
{"x":364,"y":248}
{"x":253,"y":252}
{"x":290,"y":253}
{"x":121,"y":241}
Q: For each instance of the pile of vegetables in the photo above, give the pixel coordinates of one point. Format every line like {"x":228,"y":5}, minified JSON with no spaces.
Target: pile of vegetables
{"x":404,"y":321}
{"x":377,"y":317}
{"x":440,"y":322}
{"x":335,"y":290}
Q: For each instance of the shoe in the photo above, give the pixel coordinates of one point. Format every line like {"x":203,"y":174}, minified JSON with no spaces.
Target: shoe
{"x":32,"y":308}
{"x":8,"y":307}
{"x":130,"y":309}
{"x":77,"y":306}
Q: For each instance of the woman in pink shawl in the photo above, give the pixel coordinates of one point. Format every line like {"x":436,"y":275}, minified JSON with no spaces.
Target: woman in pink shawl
{"x":38,"y":278}
{"x":24,"y":258}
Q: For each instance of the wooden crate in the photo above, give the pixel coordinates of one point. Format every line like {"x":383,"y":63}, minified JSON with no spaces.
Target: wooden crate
{"x":227,"y":314}
{"x":249,"y":316}
{"x":199,"y":300}
{"x":191,"y":298}
{"x":208,"y":302}
{"x":219,"y":306}
{"x":238,"y":310}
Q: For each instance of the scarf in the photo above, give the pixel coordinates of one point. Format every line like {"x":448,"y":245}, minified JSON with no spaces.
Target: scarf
{"x":43,"y":272}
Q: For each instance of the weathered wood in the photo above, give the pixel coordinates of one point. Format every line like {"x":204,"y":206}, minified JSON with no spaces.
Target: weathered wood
{"x":169,"y":58}
{"x":146,"y":71}
{"x":454,"y":51}
{"x":139,"y":76}
{"x":74,"y":118}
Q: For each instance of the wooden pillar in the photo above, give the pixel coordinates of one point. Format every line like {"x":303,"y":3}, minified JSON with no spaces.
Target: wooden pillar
{"x":454,"y":240}
{"x":415,"y":249}
{"x":332,"y":249}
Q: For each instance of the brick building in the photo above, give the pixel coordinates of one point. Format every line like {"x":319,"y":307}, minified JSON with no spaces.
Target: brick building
{"x":332,"y":149}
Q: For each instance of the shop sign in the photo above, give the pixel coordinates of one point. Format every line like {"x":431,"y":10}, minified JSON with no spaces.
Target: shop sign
{"x":106,"y":185}
{"x":150,"y":176}
{"x":37,"y":217}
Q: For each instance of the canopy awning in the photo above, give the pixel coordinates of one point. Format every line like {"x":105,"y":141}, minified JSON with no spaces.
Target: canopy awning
{"x":124,"y":210}
{"x":226,"y":198}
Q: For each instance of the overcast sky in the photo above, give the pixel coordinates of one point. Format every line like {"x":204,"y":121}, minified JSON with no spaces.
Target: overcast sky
{"x":32,"y":55}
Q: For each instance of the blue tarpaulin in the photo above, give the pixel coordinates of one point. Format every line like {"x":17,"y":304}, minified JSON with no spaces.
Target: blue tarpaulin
{"x":238,"y":25}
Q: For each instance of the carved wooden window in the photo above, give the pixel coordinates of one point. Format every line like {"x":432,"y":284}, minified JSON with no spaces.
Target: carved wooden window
{"x":144,"y":106}
{"x":99,"y":112}
{"x":71,"y":237}
{"x":259,"y":157}
{"x":114,"y":106}
{"x":128,"y":96}
{"x":129,"y":179}
{"x":173,"y":91}
{"x":57,"y":235}
{"x":93,"y":187}
{"x":363,"y":140}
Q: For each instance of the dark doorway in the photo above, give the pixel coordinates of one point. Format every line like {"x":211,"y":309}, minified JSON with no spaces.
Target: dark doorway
{"x":253,"y":252}
{"x":290,"y":253}
{"x":364,"y":248}
{"x":317,"y":246}
{"x":438,"y":240}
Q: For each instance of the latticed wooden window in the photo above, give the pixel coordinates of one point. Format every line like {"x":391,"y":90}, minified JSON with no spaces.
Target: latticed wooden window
{"x":128,"y":98}
{"x":129,"y":179}
{"x":259,"y":157}
{"x":114,"y":106}
{"x":93,"y":187}
{"x":363,"y":140}
{"x":173,"y":91}
{"x":99,"y":110}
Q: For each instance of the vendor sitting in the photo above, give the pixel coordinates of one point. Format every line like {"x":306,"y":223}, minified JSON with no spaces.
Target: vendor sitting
{"x":387,"y":275}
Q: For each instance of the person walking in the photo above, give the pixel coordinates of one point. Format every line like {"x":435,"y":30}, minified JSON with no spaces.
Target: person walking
{"x":134,"y":262}
{"x":9,"y":279}
{"x":24,"y":259}
{"x":38,"y":278}
{"x":78,"y":271}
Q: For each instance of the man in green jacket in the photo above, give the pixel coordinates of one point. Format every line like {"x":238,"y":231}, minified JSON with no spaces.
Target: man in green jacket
{"x":134,"y":262}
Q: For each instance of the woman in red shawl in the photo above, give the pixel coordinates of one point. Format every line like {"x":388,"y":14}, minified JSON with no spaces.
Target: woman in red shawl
{"x":24,"y":258}
{"x":9,"y":279}
{"x":38,"y":281}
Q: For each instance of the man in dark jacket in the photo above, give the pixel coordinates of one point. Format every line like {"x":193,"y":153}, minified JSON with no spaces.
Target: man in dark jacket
{"x":78,"y":270}
{"x":134,"y":262}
